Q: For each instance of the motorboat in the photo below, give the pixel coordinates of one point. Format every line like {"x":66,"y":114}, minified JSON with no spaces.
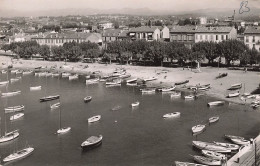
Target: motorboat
{"x":118,"y":82}
{"x":176,"y":94}
{"x":255,"y":102}
{"x":9,"y":136}
{"x":65,"y":75}
{"x":125,"y":76}
{"x":49,"y":98}
{"x":240,"y":141}
{"x":18,"y":71}
{"x":19,"y":154}
{"x":213,"y":155}
{"x":172,"y":115}
{"x":4,"y":82}
{"x":210,"y":146}
{"x":16,"y":116}
{"x":203,"y":88}
{"x":178,"y":163}
{"x":131,"y":80}
{"x":235,"y":86}
{"x":150,"y":79}
{"x":198,"y":129}
{"x":233,"y":137}
{"x":14,"y":109}
{"x":216,"y":103}
{"x":235,"y":94}
{"x":213,"y":119}
{"x":74,"y":77}
{"x":168,"y":89}
{"x":92,"y":81}
{"x":94,"y":119}
{"x":4,"y":71}
{"x":135,"y":104}
{"x":34,"y":88}
{"x":227,"y":145}
{"x":207,"y":161}
{"x":63,"y":130}
{"x":14,"y":71}
{"x":56,"y":105}
{"x":11,"y":93}
{"x":87,"y":99}
{"x":182,"y":82}
{"x":92,"y":141}
{"x":42,"y":74}
{"x":189,"y":97}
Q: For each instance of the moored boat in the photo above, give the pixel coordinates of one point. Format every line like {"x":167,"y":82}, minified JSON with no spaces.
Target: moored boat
{"x":131,"y":84}
{"x":94,"y":119}
{"x":216,"y":103}
{"x":16,"y":116}
{"x":181,"y":82}
{"x":198,"y":129}
{"x":210,"y":146}
{"x":172,"y":115}
{"x":176,"y":94}
{"x":233,"y":137}
{"x":178,"y":163}
{"x":56,"y":105}
{"x":240,"y":141}
{"x":27,"y":72}
{"x":117,"y":82}
{"x":213,"y":119}
{"x":213,"y":155}
{"x":92,"y":81}
{"x":87,"y":99}
{"x":131,"y":80}
{"x":207,"y":161}
{"x":4,"y":71}
{"x":189,"y":97}
{"x":15,"y":79}
{"x":65,"y":75}
{"x":33,"y":88}
{"x":227,"y":145}
{"x":11,"y":93}
{"x":63,"y":130}
{"x":9,"y":136}
{"x":55,"y":74}
{"x":135,"y":104}
{"x":150,"y":79}
{"x":235,"y":94}
{"x":19,"y":154}
{"x":92,"y":142}
{"x":14,"y":109}
{"x":73,"y":77}
{"x":235,"y":86}
{"x":49,"y":98}
{"x":221,"y":75}
{"x":116,"y":108}
{"x":4,"y":82}
{"x":168,"y":89}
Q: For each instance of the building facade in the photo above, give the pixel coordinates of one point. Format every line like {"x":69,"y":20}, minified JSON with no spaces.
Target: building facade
{"x":183,"y":34}
{"x":105,"y":25}
{"x":111,"y":35}
{"x":252,"y":38}
{"x":145,"y":33}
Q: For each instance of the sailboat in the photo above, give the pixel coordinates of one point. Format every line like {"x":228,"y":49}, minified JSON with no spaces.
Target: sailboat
{"x":10,"y":135}
{"x":19,"y":154}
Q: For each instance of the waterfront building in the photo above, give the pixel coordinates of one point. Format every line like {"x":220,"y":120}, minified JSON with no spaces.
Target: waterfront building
{"x":252,"y":37}
{"x":105,"y":25}
{"x":183,"y":34}
{"x":110,"y":35}
{"x":145,"y":33}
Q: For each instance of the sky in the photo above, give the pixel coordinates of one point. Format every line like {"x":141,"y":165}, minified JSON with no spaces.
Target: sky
{"x":175,"y":5}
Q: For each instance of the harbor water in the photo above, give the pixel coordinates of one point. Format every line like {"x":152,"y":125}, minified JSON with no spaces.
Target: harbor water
{"x":131,"y":137}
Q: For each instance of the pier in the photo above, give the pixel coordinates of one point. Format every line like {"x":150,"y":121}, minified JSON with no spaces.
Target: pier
{"x":247,"y":155}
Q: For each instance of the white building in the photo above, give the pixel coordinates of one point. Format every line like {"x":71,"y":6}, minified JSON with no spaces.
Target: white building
{"x":105,"y":25}
{"x":252,"y":37}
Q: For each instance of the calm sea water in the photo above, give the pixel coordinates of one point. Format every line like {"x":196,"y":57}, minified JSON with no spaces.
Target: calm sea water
{"x":130,"y":136}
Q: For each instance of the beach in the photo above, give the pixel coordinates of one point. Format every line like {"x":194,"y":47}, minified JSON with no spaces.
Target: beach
{"x":165,"y":76}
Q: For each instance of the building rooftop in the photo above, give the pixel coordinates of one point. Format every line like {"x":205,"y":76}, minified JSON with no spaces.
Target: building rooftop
{"x":252,"y":30}
{"x":143,"y":29}
{"x":200,"y":29}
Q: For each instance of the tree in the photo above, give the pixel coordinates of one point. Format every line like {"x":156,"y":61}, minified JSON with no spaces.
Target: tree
{"x":207,"y":49}
{"x":57,"y":52}
{"x":6,"y":47}
{"x":44,"y":51}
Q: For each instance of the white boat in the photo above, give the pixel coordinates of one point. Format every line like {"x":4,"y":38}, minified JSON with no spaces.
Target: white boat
{"x":87,"y":99}
{"x":14,"y":109}
{"x":176,"y":94}
{"x":49,"y":98}
{"x":19,"y":154}
{"x":16,"y":116}
{"x":150,"y":79}
{"x":135,"y":104}
{"x":198,"y":129}
{"x":131,"y":84}
{"x":11,"y":93}
{"x":240,"y":141}
{"x":56,"y":105}
{"x":168,"y":89}
{"x":4,"y":71}
{"x":148,"y":90}
{"x":207,"y":161}
{"x":14,"y":71}
{"x":116,"y":108}
{"x":235,"y":86}
{"x":4,"y":82}
{"x":203,"y":88}
{"x":94,"y":119}
{"x":27,"y":72}
{"x":63,"y":130}
{"x":178,"y":163}
{"x":9,"y":136}
{"x":255,"y":102}
{"x":255,"y":105}
{"x":42,"y":74}
{"x":55,"y":74}
{"x":227,"y":145}
{"x":172,"y":115}
{"x":118,"y":82}
{"x":48,"y":74}
{"x":15,"y":79}
{"x":92,"y":81}
{"x":213,"y":155}
{"x":236,"y":94}
{"x":131,"y":80}
{"x":64,"y":75}
{"x":233,"y":137}
{"x":189,"y":97}
{"x":92,"y":141}
{"x":33,"y":88}
{"x":216,"y":103}
{"x":19,"y":72}
{"x":74,"y":77}
{"x":210,"y":146}
{"x":213,"y":119}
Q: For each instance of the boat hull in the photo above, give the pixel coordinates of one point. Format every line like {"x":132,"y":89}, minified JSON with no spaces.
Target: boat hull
{"x":18,"y":155}
{"x":44,"y":99}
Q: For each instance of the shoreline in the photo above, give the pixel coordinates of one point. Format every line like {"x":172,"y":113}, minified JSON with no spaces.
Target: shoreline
{"x":207,"y":75}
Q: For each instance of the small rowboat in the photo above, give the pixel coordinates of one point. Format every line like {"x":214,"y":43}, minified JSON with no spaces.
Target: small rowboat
{"x":189,"y":97}
{"x":125,"y":76}
{"x":255,"y":102}
{"x":92,"y":142}
{"x":16,"y":116}
{"x":64,"y":75}
{"x":33,"y":88}
{"x":227,"y":145}
{"x":168,"y":89}
{"x":49,"y":98}
{"x":27,"y":72}
{"x":198,"y":129}
{"x":55,"y":74}
{"x":87,"y":99}
{"x":114,"y":83}
{"x":240,"y":141}
{"x":11,"y":93}
{"x":216,"y":103}
{"x":9,"y":136}
{"x":14,"y":71}
{"x":207,"y":161}
{"x":172,"y":115}
{"x":19,"y":72}
{"x":148,"y":90}
{"x":4,"y":82}
{"x":92,"y":81}
{"x":74,"y":77}
{"x":213,"y":119}
{"x":15,"y":79}
{"x":4,"y":71}
{"x":213,"y":155}
{"x":131,"y":80}
{"x":19,"y":154}
{"x":131,"y":84}
{"x":178,"y":163}
{"x":14,"y":109}
{"x":255,"y":105}
{"x":150,"y":79}
{"x":182,"y":82}
{"x":210,"y":146}
{"x":235,"y":86}
{"x":230,"y":95}
{"x":204,"y":88}
{"x":42,"y":74}
{"x":63,"y":130}
{"x":135,"y":104}
{"x":56,"y":105}
{"x":233,"y":137}
{"x":116,"y":108}
{"x":176,"y":94}
{"x":94,"y":119}
{"x":221,"y":75}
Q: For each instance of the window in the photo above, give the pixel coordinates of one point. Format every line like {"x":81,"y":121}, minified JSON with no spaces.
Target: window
{"x":200,"y":37}
{"x":254,"y":46}
{"x":216,"y":37}
{"x":196,"y":36}
{"x":247,"y":39}
{"x":253,"y":39}
{"x":226,"y":37}
{"x":211,"y":37}
{"x":206,"y":37}
{"x":247,"y":45}
{"x":184,"y":37}
{"x":222,"y":37}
